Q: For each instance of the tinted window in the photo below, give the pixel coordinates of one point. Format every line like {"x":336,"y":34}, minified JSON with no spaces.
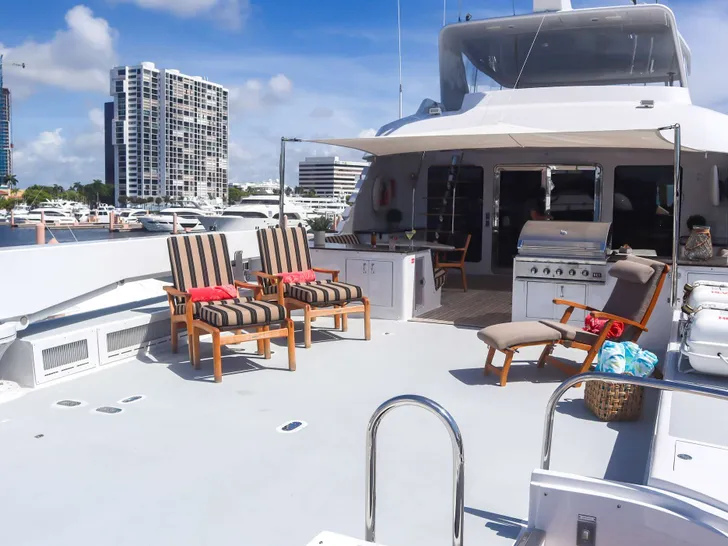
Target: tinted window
{"x":643,"y":208}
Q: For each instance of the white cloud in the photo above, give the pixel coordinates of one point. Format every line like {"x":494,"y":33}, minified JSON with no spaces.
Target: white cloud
{"x":77,"y":58}
{"x":253,"y":94}
{"x":228,"y":13}
{"x":367,"y":133}
{"x":52,"y":158}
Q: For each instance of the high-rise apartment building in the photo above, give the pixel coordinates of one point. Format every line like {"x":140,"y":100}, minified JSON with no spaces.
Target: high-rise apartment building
{"x":109,"y":143}
{"x":170,"y":134}
{"x":6,"y":145}
{"x":329,"y":176}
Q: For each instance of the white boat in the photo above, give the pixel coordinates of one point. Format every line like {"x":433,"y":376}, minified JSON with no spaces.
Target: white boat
{"x":239,"y":218}
{"x":164,"y":222}
{"x":51,"y":216}
{"x":270,"y":206}
{"x":130,"y":216}
{"x":111,"y":401}
{"x":19,"y":213}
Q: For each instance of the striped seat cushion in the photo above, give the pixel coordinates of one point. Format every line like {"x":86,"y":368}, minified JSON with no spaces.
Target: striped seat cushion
{"x":344,"y":239}
{"x":325,"y":292}
{"x":440,"y":278}
{"x":282,"y":251}
{"x":179,"y":308}
{"x":236,"y":315}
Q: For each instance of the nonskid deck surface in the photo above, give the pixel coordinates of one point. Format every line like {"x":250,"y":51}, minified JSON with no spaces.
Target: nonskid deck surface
{"x":195,"y":462}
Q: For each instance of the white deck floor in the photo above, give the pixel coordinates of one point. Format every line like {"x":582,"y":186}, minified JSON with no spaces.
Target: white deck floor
{"x":201,"y":463}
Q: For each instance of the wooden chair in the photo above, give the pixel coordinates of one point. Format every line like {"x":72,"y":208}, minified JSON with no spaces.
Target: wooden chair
{"x":286,"y":251}
{"x":639,"y":283}
{"x":203,"y":261}
{"x":460,"y":264}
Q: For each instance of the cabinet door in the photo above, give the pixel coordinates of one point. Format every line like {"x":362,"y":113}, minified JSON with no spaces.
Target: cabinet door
{"x":539,"y":300}
{"x":381,"y":279}
{"x":357,"y":272}
{"x":571,"y":292}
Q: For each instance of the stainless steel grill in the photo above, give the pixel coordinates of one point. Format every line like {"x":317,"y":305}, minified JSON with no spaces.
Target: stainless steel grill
{"x":575,"y":251}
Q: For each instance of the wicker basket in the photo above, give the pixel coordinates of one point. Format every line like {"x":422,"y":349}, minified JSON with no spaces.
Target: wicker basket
{"x":612,"y":401}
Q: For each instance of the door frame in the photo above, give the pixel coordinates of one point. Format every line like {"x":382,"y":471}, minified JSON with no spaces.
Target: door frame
{"x":546,"y":170}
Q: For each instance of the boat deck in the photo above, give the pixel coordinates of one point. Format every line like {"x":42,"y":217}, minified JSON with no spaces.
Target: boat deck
{"x":194,"y":462}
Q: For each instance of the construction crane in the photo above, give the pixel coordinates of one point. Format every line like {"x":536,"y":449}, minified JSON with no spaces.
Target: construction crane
{"x":6,"y":139}
{"x":21,"y":65}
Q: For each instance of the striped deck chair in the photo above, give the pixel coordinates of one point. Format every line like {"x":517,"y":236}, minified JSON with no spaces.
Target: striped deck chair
{"x":199,"y":261}
{"x":286,"y":251}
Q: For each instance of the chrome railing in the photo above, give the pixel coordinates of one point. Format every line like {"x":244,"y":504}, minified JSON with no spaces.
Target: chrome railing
{"x":662,"y":385}
{"x":458,"y":461}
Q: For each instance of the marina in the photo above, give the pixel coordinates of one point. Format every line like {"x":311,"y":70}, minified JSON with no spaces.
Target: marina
{"x":513,"y":332}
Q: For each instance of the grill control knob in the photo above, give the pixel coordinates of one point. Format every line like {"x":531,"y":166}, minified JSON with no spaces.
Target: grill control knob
{"x":547,"y":271}
{"x":559,"y":272}
{"x":534,"y":270}
{"x":585,"y":273}
{"x":572,"y":272}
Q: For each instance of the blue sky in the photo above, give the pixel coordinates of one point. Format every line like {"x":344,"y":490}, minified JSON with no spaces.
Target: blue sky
{"x":307,"y":69}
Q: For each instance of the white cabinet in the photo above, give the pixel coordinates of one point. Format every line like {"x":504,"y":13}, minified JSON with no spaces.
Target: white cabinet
{"x":540,"y":298}
{"x":375,"y":277}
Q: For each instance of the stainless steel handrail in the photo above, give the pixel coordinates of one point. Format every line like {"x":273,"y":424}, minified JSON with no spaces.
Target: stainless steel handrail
{"x":663,"y":385}
{"x":458,"y":461}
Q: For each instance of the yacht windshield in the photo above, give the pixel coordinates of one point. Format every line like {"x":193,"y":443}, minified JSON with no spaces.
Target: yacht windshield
{"x":635,"y":45}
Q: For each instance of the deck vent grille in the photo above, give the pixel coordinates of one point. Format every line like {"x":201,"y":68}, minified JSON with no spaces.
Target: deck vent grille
{"x":59,"y":356}
{"x":136,"y":336}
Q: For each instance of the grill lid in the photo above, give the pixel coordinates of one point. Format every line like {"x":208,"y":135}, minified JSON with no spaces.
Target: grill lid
{"x":556,"y":239}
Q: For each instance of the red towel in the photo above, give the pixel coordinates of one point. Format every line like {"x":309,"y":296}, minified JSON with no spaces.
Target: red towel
{"x":595,"y":325}
{"x":294,"y":277}
{"x":213,"y":293}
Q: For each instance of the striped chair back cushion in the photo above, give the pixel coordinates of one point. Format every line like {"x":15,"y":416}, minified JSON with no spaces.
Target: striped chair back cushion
{"x":344,"y":239}
{"x":199,"y":260}
{"x":283,"y":251}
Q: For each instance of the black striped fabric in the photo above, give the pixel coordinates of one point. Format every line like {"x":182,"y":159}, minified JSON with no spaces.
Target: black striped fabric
{"x":235,"y":315}
{"x":440,"y":277}
{"x":179,"y":308}
{"x":282,"y":251}
{"x":325,"y":292}
{"x":344,"y":239}
{"x":199,"y":260}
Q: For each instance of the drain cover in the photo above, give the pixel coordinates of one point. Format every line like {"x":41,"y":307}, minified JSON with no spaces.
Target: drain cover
{"x":131,"y":399}
{"x":108,"y":409}
{"x":684,"y":457}
{"x":291,"y":426}
{"x":68,"y":403}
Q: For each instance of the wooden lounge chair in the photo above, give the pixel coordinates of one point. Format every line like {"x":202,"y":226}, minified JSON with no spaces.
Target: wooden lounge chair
{"x":639,"y":283}
{"x":459,"y":264}
{"x":286,"y":251}
{"x":199,"y":261}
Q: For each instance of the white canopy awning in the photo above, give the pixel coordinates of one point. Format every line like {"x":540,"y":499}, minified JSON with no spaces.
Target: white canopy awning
{"x":652,"y":139}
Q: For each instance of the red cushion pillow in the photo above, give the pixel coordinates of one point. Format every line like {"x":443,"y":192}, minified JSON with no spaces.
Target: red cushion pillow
{"x":595,"y":325}
{"x":213,"y":293}
{"x":298,"y":276}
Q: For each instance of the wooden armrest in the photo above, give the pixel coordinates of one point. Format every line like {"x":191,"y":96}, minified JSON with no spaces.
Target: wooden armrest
{"x":609,"y":316}
{"x":326,"y":271}
{"x":247,"y":285}
{"x":172,"y":291}
{"x":275,"y":278}
{"x":559,"y":301}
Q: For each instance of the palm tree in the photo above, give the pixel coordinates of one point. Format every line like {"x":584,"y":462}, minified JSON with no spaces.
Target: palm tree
{"x":12,"y":182}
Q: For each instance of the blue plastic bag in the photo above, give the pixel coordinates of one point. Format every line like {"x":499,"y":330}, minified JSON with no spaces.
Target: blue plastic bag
{"x":643,"y":364}
{"x":612,"y":358}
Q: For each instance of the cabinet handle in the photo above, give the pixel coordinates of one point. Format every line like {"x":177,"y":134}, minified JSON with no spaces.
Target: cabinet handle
{"x":371,"y":270}
{"x":562,"y":291}
{"x":364,"y":268}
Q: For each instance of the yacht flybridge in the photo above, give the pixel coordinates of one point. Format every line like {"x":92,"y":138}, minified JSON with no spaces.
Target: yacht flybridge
{"x":578,"y":117}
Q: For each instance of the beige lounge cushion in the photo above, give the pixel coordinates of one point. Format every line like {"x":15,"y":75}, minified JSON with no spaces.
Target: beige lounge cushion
{"x":571,"y":332}
{"x":511,"y":334}
{"x":631,"y":271}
